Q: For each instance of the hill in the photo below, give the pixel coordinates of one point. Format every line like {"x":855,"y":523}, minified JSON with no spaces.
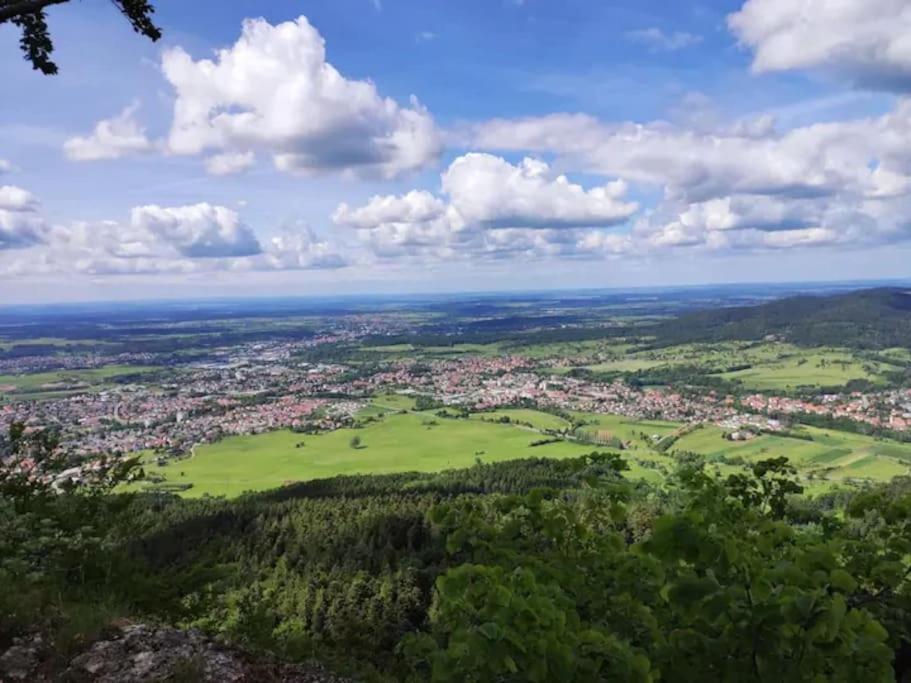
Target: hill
{"x":865,"y":319}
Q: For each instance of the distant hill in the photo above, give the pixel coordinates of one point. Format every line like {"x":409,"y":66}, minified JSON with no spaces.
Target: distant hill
{"x":865,"y":319}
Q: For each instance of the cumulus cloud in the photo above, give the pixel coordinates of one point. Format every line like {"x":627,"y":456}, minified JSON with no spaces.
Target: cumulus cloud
{"x":865,"y":40}
{"x":111,"y":138}
{"x":14,"y":198}
{"x":809,"y":161}
{"x":20,"y":223}
{"x":273,"y":91}
{"x":300,"y":249}
{"x":417,"y":206}
{"x":197,"y":238}
{"x":658,"y":40}
{"x":850,"y":179}
{"x":491,"y":209}
{"x":231,"y":162}
{"x":197,"y":231}
{"x":486,"y":191}
{"x":489,"y":191}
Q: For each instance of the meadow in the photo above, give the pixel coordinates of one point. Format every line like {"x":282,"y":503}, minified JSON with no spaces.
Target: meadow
{"x":398,"y":440}
{"x":401,"y":442}
{"x":34,"y":385}
{"x":773,"y":366}
{"x":827,"y":454}
{"x":631,"y":431}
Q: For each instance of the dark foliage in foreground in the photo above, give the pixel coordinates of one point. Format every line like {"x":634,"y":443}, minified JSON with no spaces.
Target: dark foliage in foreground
{"x":520,"y":571}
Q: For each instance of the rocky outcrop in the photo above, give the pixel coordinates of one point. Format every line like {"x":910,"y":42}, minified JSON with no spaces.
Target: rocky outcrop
{"x":20,"y":661}
{"x":140,"y":652}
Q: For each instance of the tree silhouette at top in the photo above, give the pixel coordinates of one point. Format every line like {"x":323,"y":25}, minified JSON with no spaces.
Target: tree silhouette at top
{"x":36,"y":44}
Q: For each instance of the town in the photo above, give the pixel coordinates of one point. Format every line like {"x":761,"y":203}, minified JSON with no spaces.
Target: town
{"x":264,"y":386}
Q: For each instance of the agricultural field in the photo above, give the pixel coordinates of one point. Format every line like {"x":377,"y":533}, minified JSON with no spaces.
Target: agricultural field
{"x":634,"y":433}
{"x":826,"y":454}
{"x":33,"y":385}
{"x":755,"y":365}
{"x":823,"y":368}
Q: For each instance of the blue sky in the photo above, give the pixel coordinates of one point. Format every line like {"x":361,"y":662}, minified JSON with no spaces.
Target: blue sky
{"x":439,"y":145}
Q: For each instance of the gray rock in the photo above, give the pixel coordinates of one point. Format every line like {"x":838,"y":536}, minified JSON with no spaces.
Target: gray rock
{"x":142,"y":653}
{"x":19,"y":662}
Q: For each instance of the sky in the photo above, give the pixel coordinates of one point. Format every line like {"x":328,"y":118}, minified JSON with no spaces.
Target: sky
{"x":378,"y":146}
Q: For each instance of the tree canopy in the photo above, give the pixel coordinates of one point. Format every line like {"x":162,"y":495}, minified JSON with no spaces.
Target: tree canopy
{"x":36,"y":43}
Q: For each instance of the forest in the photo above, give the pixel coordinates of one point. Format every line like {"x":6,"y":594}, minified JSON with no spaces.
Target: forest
{"x":528,"y":570}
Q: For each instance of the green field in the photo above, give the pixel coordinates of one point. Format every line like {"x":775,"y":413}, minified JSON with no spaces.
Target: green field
{"x":831,"y":454}
{"x":62,"y":380}
{"x":772,"y":365}
{"x":396,"y":443}
{"x":823,"y":368}
{"x":401,"y":440}
{"x":536,"y":418}
{"x":627,"y":429}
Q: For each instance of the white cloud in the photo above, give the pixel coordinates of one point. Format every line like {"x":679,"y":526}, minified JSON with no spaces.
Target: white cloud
{"x":493,"y":209}
{"x":300,"y":249}
{"x":14,"y":198}
{"x":197,"y":231}
{"x":809,"y":161}
{"x":417,"y":206}
{"x":111,"y":139}
{"x":739,"y":185}
{"x":868,"y":41}
{"x":20,"y":224}
{"x":199,"y":238}
{"x":232,"y":162}
{"x":5,"y":166}
{"x":274,"y":91}
{"x":489,"y":191}
{"x":656,"y":39}
{"x":486,"y":191}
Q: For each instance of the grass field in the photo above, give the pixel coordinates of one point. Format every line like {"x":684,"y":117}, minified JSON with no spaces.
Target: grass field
{"x":627,"y":429}
{"x":41,"y":382}
{"x":397,"y":443}
{"x":402,"y":442}
{"x":831,"y":454}
{"x":421,"y":441}
{"x":808,"y":368}
{"x":536,"y":418}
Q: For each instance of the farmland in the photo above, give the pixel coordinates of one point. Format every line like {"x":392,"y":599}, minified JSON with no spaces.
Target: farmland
{"x":36,"y":385}
{"x":396,"y":441}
